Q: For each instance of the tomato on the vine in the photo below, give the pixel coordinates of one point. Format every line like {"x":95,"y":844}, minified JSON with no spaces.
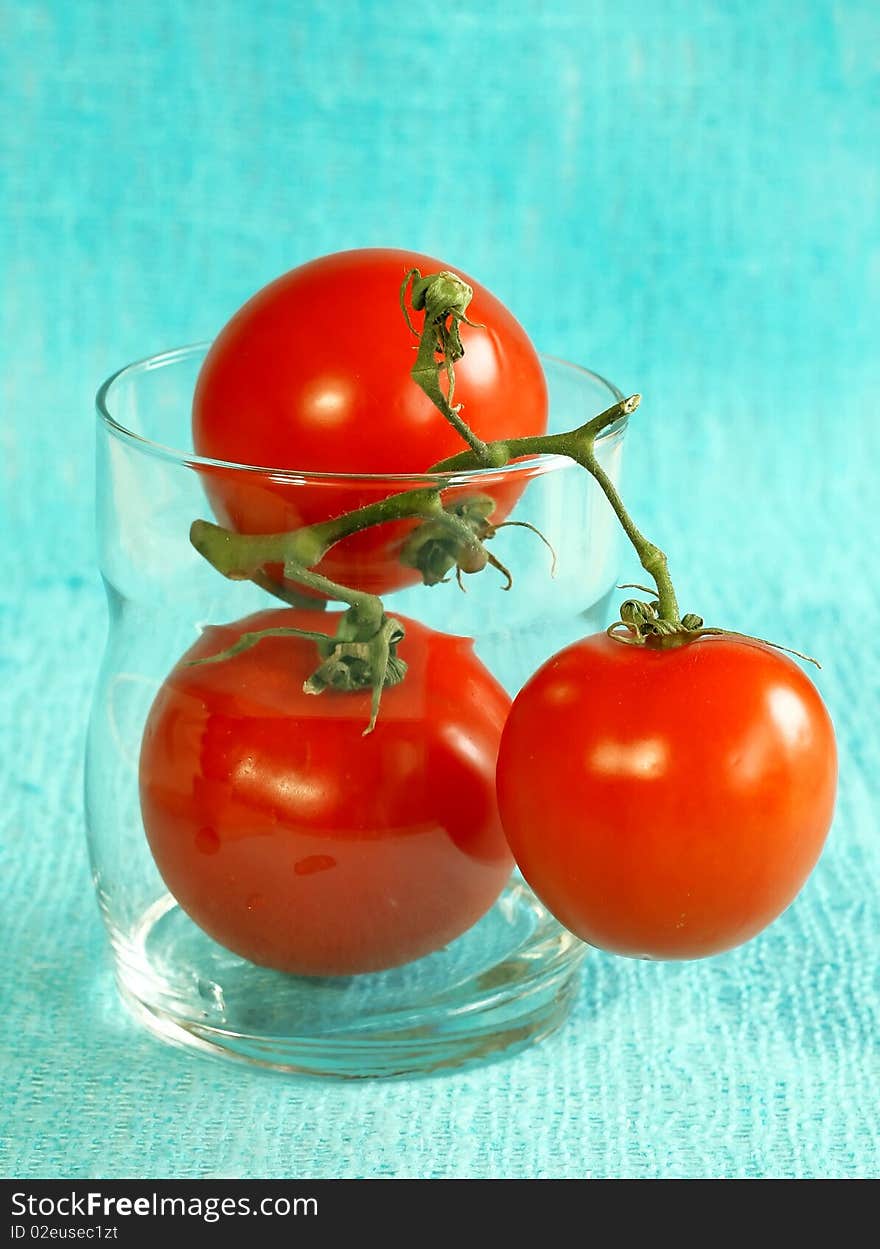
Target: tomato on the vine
{"x":313,"y":374}
{"x":667,"y":803}
{"x":297,"y":842}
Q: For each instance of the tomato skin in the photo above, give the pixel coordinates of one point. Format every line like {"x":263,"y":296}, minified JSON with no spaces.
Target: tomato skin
{"x":298,"y":843}
{"x":312,"y":374}
{"x":667,"y":803}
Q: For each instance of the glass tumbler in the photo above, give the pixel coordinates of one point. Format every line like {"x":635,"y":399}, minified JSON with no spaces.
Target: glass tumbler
{"x":277,"y":886}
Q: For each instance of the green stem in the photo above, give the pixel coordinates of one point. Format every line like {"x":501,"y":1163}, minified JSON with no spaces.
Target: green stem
{"x":652,"y":559}
{"x":444,"y":298}
{"x":578,"y":445}
{"x":426,"y":375}
{"x":366,"y":611}
{"x":247,"y":640}
{"x":240,"y":556}
{"x":567,"y":443}
{"x":423,"y":503}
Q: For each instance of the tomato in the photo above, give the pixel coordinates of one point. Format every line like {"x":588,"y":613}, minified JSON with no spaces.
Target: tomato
{"x":667,"y":803}
{"x":298,"y":843}
{"x":312,"y":374}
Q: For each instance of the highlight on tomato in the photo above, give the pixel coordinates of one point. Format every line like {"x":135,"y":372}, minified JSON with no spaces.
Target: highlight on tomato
{"x":313,"y":374}
{"x":296,"y":841}
{"x":667,"y":801}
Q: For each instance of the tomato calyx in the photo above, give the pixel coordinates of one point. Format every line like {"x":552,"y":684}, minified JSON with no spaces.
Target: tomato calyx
{"x":354,"y":658}
{"x":641,"y":621}
{"x":455,"y":538}
{"x":641,"y":624}
{"x":357,"y":663}
{"x":444,"y":298}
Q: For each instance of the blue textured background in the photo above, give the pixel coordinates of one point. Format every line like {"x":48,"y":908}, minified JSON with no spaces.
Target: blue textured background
{"x":683,"y":196}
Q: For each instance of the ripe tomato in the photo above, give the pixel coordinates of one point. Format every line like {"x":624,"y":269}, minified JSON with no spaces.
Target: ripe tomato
{"x":667,"y":803}
{"x":301,"y":845}
{"x":312,"y":374}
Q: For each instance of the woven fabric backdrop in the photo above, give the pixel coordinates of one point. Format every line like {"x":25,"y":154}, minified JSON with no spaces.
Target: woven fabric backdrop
{"x":683,"y":196}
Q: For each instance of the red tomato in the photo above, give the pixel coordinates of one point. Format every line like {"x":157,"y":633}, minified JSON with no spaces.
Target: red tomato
{"x":300,"y":844}
{"x":667,"y":803}
{"x":313,"y":374}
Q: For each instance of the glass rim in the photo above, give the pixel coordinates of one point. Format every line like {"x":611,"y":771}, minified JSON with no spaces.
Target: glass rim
{"x":189,"y":459}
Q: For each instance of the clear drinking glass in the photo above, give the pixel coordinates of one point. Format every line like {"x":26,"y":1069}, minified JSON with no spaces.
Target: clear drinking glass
{"x":505,"y":981}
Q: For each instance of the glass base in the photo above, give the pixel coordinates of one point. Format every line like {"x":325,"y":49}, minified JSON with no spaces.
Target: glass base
{"x":505,"y":983}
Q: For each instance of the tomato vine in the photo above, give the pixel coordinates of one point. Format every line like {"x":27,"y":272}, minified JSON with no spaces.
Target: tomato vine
{"x":449,"y":538}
